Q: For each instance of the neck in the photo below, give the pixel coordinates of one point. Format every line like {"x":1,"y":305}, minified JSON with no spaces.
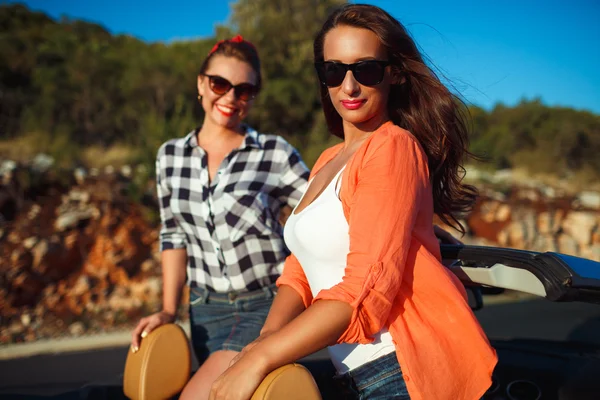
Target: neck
{"x":356,"y":133}
{"x":213,"y":132}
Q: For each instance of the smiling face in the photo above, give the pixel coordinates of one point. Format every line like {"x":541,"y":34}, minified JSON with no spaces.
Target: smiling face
{"x":226,"y":110}
{"x":357,"y":104}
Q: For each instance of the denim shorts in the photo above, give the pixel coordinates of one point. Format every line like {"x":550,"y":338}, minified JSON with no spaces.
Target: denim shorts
{"x":380,"y":379}
{"x":227,"y":321}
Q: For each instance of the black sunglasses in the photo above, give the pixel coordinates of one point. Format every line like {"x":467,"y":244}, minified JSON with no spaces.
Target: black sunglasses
{"x":368,"y":72}
{"x":242,"y":91}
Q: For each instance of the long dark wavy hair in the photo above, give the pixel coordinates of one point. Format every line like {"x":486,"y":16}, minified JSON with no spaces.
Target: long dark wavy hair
{"x":419,"y":103}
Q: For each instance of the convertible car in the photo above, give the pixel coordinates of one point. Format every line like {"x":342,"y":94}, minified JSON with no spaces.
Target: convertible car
{"x":538,"y":360}
{"x":547,"y":334}
{"x":534,"y":368}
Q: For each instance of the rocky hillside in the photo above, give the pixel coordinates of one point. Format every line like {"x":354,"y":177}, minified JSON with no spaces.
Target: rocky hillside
{"x":78,"y":255}
{"x":530,"y":215}
{"x":79,"y":249}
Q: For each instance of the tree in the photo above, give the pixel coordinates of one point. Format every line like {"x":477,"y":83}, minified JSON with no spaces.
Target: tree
{"x":69,"y":84}
{"x":283,"y":31}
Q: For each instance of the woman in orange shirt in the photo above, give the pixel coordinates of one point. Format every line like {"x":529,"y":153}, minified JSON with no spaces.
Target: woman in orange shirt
{"x":365,"y":277}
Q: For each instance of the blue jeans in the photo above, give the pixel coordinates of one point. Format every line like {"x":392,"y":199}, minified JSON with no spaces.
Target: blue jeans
{"x":227,"y":321}
{"x":380,"y":379}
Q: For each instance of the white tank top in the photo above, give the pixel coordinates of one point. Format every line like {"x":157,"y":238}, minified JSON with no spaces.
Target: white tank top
{"x":318,"y":237}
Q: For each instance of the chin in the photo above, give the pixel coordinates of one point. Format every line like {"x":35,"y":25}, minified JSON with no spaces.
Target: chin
{"x":354,"y":117}
{"x":227,"y":122}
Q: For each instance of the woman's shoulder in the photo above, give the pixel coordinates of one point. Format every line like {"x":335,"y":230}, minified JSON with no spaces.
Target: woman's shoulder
{"x":175,"y":146}
{"x":392,"y":133}
{"x":392,"y":139}
{"x":389,"y":147}
{"x":269,"y":141}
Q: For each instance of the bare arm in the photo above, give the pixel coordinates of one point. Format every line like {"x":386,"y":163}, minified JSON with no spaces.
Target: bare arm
{"x":174,"y":275}
{"x":174,"y":263}
{"x":318,"y":326}
{"x":293,"y":297}
{"x":287,"y":305}
{"x":314,"y":329}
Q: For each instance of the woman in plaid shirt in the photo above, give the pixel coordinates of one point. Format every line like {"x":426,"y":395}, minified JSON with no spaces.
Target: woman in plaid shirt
{"x":221,"y":188}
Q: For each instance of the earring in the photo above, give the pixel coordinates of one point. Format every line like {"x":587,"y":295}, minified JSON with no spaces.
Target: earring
{"x":200,"y":98}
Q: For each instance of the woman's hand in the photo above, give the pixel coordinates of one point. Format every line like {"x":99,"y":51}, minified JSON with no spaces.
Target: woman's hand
{"x":316,"y":328}
{"x":241,"y":380}
{"x":249,"y":347}
{"x":147,"y":325}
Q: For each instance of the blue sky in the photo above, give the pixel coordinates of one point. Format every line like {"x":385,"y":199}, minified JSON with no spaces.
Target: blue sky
{"x":493,"y":51}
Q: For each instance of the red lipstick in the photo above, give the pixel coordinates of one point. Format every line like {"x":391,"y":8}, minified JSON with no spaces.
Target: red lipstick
{"x":352,"y":104}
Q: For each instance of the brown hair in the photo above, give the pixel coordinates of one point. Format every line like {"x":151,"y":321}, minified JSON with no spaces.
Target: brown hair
{"x":418,"y":102}
{"x":239,"y":49}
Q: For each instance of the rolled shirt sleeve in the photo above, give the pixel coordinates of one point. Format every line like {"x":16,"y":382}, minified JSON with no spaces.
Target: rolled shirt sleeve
{"x":293,"y":276}
{"x":171,"y":234}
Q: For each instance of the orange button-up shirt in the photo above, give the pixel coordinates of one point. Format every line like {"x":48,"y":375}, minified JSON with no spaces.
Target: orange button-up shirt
{"x":394,"y":277}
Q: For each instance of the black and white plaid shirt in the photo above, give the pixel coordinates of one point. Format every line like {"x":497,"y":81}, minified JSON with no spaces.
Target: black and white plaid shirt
{"x":230,"y":226}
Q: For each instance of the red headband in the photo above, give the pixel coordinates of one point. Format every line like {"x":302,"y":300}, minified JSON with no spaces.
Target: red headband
{"x":235,"y":39}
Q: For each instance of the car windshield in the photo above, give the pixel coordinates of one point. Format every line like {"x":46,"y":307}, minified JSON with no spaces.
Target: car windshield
{"x":583,"y":267}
